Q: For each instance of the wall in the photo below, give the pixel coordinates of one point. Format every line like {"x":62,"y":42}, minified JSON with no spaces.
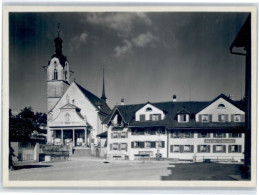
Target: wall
{"x":147,"y":113}
{"x":195,"y":141}
{"x":215,"y":111}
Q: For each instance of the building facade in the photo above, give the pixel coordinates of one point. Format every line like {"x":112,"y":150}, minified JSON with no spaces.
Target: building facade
{"x":193,"y":131}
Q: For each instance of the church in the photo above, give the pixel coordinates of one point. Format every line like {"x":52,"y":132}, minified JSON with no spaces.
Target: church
{"x":75,"y":115}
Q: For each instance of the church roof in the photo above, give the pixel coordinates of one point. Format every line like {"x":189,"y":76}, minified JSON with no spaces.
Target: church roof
{"x":97,"y":102}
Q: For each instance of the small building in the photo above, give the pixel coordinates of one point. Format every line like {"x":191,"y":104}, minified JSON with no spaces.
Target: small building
{"x":193,"y":131}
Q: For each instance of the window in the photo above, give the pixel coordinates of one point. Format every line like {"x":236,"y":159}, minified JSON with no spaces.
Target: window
{"x":147,"y":144}
{"x":221,"y":106}
{"x":160,"y":144}
{"x":235,"y":135}
{"x":219,"y":135}
{"x":237,"y":118}
{"x":203,"y":148}
{"x":148,"y":109}
{"x":175,"y":148}
{"x":234,"y":148}
{"x":183,"y":118}
{"x":142,"y":117}
{"x":187,"y":148}
{"x":55,"y":74}
{"x":222,"y":117}
{"x":124,"y":135}
{"x":115,"y":146}
{"x":205,"y":118}
{"x":219,"y":149}
{"x":123,"y":146}
{"x":156,"y":117}
{"x":203,"y":135}
{"x":176,"y":134}
{"x":188,"y":135}
{"x":115,"y":135}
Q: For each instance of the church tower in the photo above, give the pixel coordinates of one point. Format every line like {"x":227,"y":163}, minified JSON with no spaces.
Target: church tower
{"x":58,"y":74}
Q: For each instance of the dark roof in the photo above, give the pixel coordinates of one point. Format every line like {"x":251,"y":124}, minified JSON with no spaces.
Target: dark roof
{"x":97,"y":102}
{"x":102,"y":135}
{"x":171,"y":109}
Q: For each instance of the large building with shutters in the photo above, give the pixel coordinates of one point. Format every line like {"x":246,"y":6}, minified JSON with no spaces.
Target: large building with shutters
{"x":195,"y":131}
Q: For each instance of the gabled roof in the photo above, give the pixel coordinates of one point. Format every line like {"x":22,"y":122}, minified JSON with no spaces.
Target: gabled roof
{"x":171,"y":109}
{"x":96,"y":102}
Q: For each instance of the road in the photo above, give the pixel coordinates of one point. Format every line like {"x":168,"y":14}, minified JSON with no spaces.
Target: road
{"x":92,"y":169}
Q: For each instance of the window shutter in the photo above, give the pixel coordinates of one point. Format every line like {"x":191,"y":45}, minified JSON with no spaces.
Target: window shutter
{"x":192,"y":135}
{"x":199,"y":118}
{"x":210,"y":117}
{"x":171,"y":134}
{"x":119,"y":135}
{"x":226,"y":117}
{"x":150,"y":117}
{"x":171,"y":149}
{"x":214,"y":149}
{"x":181,"y":148}
{"x":126,"y":147}
{"x":192,"y":148}
{"x":126,"y":134}
{"x":219,"y":117}
{"x":224,"y":148}
{"x":239,"y":148}
{"x":111,"y":135}
{"x":230,"y":135}
{"x":242,"y":118}
{"x":214,"y":134}
{"x":163,"y":144}
{"x":199,"y":148}
{"x":153,"y":145}
{"x":110,"y":146}
{"x":208,"y":135}
{"x":141,"y":144}
{"x":119,"y":146}
{"x":199,"y":135}
{"x":229,"y":148}
{"x":132,"y":144}
{"x":232,"y":117}
{"x":208,"y":150}
{"x":181,"y":135}
{"x":159,"y":116}
{"x":224,"y":135}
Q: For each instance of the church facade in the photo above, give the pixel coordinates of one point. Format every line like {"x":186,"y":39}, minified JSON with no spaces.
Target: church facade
{"x":75,"y":115}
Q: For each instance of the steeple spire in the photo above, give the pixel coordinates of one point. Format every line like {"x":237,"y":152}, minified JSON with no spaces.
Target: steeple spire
{"x":58,"y":42}
{"x":103,"y":94}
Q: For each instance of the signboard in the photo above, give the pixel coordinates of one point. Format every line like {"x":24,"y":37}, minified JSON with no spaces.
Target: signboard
{"x":219,"y":141}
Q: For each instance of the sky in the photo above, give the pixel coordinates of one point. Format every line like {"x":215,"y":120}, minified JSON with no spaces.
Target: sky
{"x":146,"y":56}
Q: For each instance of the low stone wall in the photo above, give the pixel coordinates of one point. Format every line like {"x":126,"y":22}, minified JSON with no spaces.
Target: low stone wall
{"x":55,"y":153}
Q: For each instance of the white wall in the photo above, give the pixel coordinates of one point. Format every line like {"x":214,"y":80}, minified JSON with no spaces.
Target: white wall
{"x":147,"y":113}
{"x":215,"y":111}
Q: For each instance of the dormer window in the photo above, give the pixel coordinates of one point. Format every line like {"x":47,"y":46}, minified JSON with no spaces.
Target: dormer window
{"x":222,"y":117}
{"x":55,"y":74}
{"x":148,"y":109}
{"x":221,"y":106}
{"x":156,"y":117}
{"x":237,"y":118}
{"x":183,"y":118}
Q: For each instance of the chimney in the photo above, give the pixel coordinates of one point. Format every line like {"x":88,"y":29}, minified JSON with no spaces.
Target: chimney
{"x":122,"y":101}
{"x":174,"y":98}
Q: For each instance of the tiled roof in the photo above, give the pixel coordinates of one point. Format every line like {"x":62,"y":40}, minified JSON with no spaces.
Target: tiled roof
{"x":171,"y":109}
{"x":95,"y":100}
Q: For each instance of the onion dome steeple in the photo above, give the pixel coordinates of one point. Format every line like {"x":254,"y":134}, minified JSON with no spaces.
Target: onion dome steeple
{"x":58,"y":42}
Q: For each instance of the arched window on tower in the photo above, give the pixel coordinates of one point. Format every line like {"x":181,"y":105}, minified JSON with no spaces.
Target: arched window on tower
{"x":65,"y":75}
{"x":55,"y":74}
